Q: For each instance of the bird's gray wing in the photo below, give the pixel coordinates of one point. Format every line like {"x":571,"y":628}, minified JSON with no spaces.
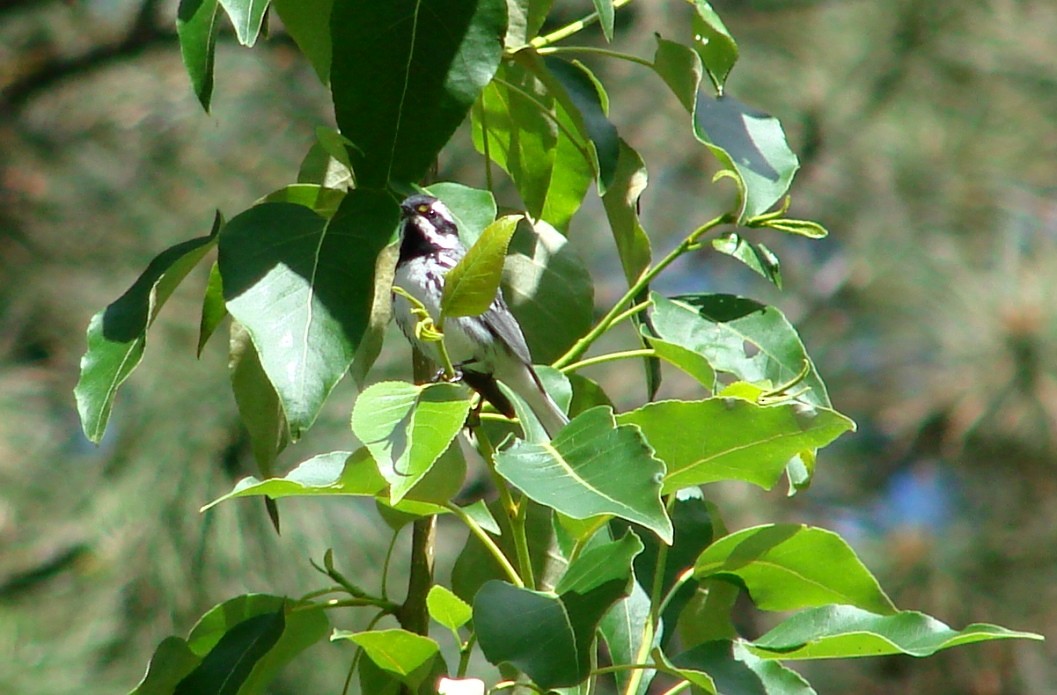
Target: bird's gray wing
{"x":501,"y":323}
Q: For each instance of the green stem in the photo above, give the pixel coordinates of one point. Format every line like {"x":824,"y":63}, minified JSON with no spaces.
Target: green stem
{"x":464,"y":656}
{"x":571,"y":28}
{"x":624,"y":315}
{"x":486,"y":145}
{"x":489,"y":544}
{"x":677,"y":688}
{"x":683,"y":578}
{"x":617,"y":310}
{"x":386,"y":606}
{"x":609,"y":357}
{"x":555,"y":50}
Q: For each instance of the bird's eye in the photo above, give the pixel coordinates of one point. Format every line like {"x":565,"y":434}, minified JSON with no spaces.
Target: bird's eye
{"x":425,"y":210}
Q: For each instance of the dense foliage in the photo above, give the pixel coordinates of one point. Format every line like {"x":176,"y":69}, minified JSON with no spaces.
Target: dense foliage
{"x":603,"y":534}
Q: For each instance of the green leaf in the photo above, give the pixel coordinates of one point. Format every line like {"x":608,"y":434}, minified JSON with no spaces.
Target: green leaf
{"x":401,"y":86}
{"x":303,"y":286}
{"x":582,"y":96}
{"x":257,"y":402}
{"x":831,"y":632}
{"x":407,"y":428}
{"x":471,"y":286}
{"x":593,"y":466}
{"x":554,"y":647}
{"x":238,"y":646}
{"x":604,"y":8}
{"x":693,"y":363}
{"x":748,"y":143}
{"x":118,"y":334}
{"x":786,"y":567}
{"x":623,"y":628}
{"x":756,"y":256}
{"x":308,"y":22}
{"x":739,"y":336}
{"x":599,"y":565}
{"x":246,"y":16}
{"x":733,"y":670}
{"x":520,"y":125}
{"x":213,"y":309}
{"x":473,"y":208}
{"x":336,"y":473}
{"x":400,"y":652}
{"x":446,"y":608}
{"x":621,"y":201}
{"x":196,"y":27}
{"x":315,"y":197}
{"x":713,"y":43}
{"x":549,"y":290}
{"x":732,"y":439}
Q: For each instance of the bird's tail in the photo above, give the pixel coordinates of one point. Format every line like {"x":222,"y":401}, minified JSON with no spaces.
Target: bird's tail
{"x":526,"y":383}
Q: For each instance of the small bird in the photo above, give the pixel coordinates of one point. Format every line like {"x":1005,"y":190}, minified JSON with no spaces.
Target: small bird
{"x":484,"y":348}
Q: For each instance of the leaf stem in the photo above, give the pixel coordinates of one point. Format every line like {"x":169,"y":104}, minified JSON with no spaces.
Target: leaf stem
{"x":571,"y":28}
{"x":617,"y":310}
{"x":489,"y":544}
{"x":592,"y":50}
{"x":608,"y":357}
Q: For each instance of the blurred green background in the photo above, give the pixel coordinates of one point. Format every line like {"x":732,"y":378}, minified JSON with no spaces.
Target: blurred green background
{"x":928,"y":138}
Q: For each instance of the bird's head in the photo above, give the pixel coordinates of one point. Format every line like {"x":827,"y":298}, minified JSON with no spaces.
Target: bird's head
{"x":428,"y":223}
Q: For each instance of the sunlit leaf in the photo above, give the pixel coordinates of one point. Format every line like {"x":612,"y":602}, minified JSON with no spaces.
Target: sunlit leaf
{"x":213,"y":309}
{"x":118,"y":334}
{"x":404,"y":74}
{"x":604,"y":8}
{"x":755,"y":256}
{"x":408,"y":427}
{"x":308,"y":22}
{"x":732,"y":669}
{"x":732,"y":439}
{"x":302,"y":286}
{"x":830,"y":632}
{"x":471,"y":286}
{"x":787,"y":567}
{"x":592,"y":467}
{"x":713,"y":43}
{"x":400,"y":652}
{"x":246,"y":16}
{"x":446,"y":608}
{"x":315,"y":197}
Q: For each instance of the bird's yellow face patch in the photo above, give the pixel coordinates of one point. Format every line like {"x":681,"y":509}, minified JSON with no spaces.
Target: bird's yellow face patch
{"x":423,"y":208}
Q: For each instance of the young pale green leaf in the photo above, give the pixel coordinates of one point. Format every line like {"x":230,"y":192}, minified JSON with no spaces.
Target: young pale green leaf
{"x":837,"y":632}
{"x":118,"y":334}
{"x":757,"y":257}
{"x":401,"y":86}
{"x":446,"y":608}
{"x":521,"y":127}
{"x":554,"y":648}
{"x":196,"y":27}
{"x":713,"y":43}
{"x":583,"y":98}
{"x":732,"y":439}
{"x":303,"y":286}
{"x":593,"y":466}
{"x":238,"y":646}
{"x":308,"y":22}
{"x":247,"y":17}
{"x":747,"y":142}
{"x":336,"y":473}
{"x":407,"y":428}
{"x":739,"y":336}
{"x":315,"y":197}
{"x":471,"y":286}
{"x":400,"y":652}
{"x":549,"y":289}
{"x":213,"y":309}
{"x":787,"y":567}
{"x":734,"y":670}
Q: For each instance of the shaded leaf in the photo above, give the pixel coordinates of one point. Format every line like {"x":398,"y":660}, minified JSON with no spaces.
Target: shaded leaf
{"x":196,"y":28}
{"x":228,"y":664}
{"x":401,"y":87}
{"x":258,"y":404}
{"x":733,"y":670}
{"x":308,"y":22}
{"x":786,"y":567}
{"x":623,"y":628}
{"x":732,"y":439}
{"x":472,"y":285}
{"x":593,"y":466}
{"x":408,"y":427}
{"x":118,"y":334}
{"x":302,"y":286}
{"x":831,"y":632}
{"x":473,"y":208}
{"x":315,"y":197}
{"x":604,"y":8}
{"x":713,"y":43}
